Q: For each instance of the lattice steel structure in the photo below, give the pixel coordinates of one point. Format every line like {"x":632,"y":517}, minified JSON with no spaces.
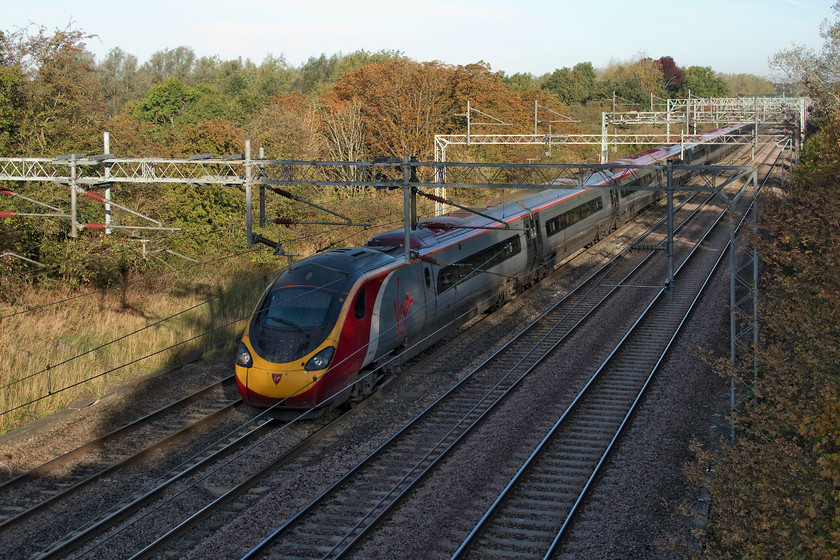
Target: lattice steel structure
{"x":79,"y":173}
{"x":687,"y":113}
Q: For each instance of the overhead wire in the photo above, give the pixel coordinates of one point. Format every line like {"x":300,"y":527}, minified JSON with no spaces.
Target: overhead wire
{"x":135,"y":332}
{"x":51,"y":367}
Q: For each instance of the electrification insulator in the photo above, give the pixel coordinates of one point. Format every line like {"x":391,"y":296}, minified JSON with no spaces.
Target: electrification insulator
{"x":94,"y":226}
{"x":284,"y":221}
{"x":281,"y":192}
{"x":6,"y":213}
{"x":436,"y":198}
{"x":7,"y":192}
{"x":95,"y":196}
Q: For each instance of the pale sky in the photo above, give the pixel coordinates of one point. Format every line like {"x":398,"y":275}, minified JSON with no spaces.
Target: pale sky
{"x":535,"y":36}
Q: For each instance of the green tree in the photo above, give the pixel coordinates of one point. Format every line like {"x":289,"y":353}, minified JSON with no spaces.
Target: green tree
{"x":177,"y":64}
{"x":572,"y":85}
{"x":519,"y":81}
{"x":11,"y":101}
{"x":120,"y":79}
{"x":748,"y":84}
{"x":63,"y":107}
{"x":702,"y":81}
{"x":166,"y":101}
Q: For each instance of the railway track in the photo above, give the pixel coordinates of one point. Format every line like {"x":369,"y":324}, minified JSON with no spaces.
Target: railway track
{"x":130,"y":514}
{"x":43,"y":502}
{"x":531,"y":516}
{"x":404,"y":461}
{"x":338,"y":520}
{"x":126,"y":445}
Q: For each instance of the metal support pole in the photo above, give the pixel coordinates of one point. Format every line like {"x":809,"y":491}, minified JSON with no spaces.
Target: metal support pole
{"x":603,"y":137}
{"x":262,"y":192}
{"x":412,"y":177}
{"x":733,"y":319}
{"x":107,"y":166}
{"x":469,"y":111}
{"x":74,"y":225}
{"x":249,"y":236}
{"x":688,"y":112}
{"x":755,"y":277}
{"x":535,"y":117}
{"x":407,"y":206}
{"x":669,"y":242}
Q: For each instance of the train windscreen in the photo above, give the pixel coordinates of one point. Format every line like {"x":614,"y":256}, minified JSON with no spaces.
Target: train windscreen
{"x":297,"y":308}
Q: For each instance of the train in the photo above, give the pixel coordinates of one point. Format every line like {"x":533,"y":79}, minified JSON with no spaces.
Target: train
{"x":334,"y":326}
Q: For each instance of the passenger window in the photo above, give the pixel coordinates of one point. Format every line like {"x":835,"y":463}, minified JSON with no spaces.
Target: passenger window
{"x":359,"y":308}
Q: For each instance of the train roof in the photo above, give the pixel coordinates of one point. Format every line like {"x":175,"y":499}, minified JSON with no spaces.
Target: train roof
{"x":349,"y":262}
{"x":432,"y":231}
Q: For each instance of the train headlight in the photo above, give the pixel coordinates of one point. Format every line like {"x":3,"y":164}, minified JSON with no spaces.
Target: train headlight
{"x":320,"y":360}
{"x":243,"y":356}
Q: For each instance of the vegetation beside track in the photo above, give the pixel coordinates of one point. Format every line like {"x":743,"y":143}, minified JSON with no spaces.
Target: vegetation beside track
{"x":775,"y":493}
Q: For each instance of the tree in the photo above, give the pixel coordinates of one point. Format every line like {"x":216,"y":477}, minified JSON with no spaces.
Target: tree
{"x":401,"y":101}
{"x":633,"y":80}
{"x":177,"y":64}
{"x":11,"y":100}
{"x":287,"y":128}
{"x":702,"y":81}
{"x":519,"y":81}
{"x":318,"y":73}
{"x":165,"y":102}
{"x":774,"y":494}
{"x":748,"y":84}
{"x":344,"y":131}
{"x":63,"y":106}
{"x":817,"y":73}
{"x":671,"y":74}
{"x":120,"y":80}
{"x":572,"y":85}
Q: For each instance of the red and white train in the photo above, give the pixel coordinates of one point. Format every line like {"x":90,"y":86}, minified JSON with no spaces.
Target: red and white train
{"x":323,"y":328}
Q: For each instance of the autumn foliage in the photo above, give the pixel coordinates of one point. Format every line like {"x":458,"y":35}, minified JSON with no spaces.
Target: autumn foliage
{"x":776,"y":493}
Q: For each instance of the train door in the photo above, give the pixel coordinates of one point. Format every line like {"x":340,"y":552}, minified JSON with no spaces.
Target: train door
{"x":534,"y":241}
{"x":431,"y":295}
{"x":615,"y":209}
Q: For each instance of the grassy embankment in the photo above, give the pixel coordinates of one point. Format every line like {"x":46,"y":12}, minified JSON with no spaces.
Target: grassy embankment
{"x":62,"y":343}
{"x":107,"y":336}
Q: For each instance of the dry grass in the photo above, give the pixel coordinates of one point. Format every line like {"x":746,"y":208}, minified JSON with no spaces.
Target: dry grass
{"x":87,"y":344}
{"x":81,"y":344}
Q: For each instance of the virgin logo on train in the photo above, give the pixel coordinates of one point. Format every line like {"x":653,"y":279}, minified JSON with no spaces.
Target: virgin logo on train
{"x":401,"y":312}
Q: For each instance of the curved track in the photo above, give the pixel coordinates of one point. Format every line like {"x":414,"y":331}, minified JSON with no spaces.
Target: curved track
{"x":340,"y":518}
{"x":227,"y":476}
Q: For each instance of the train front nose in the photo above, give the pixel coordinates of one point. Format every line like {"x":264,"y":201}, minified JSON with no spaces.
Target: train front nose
{"x":263,"y":388}
{"x":293,"y":385}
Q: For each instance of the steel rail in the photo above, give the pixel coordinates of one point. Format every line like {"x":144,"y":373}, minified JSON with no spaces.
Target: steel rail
{"x":121,"y":464}
{"x":99,"y":442}
{"x":357,"y":538}
{"x":96,"y":527}
{"x":445,"y":439}
{"x":223,"y":499}
{"x":498,"y":520}
{"x":165,"y":541}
